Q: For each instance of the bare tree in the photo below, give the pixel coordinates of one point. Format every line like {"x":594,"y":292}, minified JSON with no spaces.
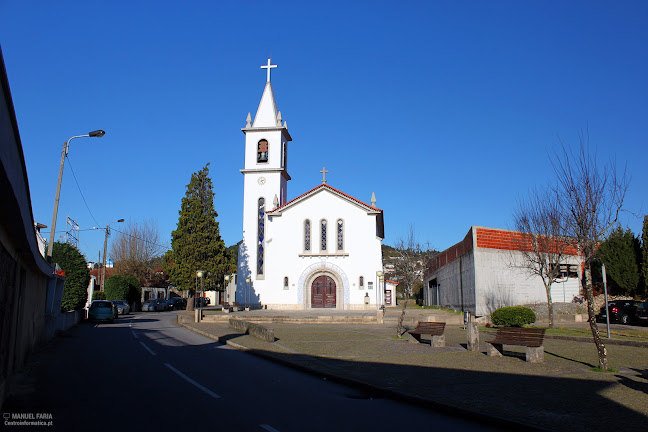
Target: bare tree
{"x":411,"y":261}
{"x":541,"y":244}
{"x":135,"y":247}
{"x":590,"y":199}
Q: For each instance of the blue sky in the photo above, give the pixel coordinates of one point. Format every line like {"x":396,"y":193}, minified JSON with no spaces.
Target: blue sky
{"x":448,"y":111}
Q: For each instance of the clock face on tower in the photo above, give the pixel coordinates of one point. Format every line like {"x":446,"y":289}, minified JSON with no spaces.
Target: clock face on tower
{"x":261,"y":181}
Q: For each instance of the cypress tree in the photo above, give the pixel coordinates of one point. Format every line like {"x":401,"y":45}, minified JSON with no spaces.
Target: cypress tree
{"x":618,"y":253}
{"x":196,"y":244}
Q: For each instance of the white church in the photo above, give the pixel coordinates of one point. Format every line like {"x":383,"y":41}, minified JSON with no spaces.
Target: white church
{"x":321,"y":249}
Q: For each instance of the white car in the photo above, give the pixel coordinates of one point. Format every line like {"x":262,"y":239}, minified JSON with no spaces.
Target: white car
{"x":122,"y":306}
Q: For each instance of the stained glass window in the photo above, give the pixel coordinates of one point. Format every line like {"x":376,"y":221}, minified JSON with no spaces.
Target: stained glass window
{"x":323,"y":245}
{"x":307,"y":235}
{"x":361,"y":282}
{"x":340,"y":235}
{"x":261,"y":237}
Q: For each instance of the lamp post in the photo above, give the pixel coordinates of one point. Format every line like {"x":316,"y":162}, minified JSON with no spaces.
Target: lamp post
{"x":200,"y":274}
{"x":66,"y":144}
{"x":247,"y":292}
{"x":103,"y":270}
{"x":381,"y":279}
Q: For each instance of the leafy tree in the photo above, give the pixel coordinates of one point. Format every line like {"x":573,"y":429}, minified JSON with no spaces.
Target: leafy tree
{"x":77,"y":275}
{"x":196,"y":244}
{"x":619,"y":254}
{"x":134,"y":289}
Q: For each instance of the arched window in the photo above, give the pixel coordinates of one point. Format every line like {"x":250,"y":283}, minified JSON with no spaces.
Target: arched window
{"x":340,"y":235}
{"x":286,"y":282}
{"x":262,"y":151}
{"x":323,"y":234}
{"x":261,"y":236}
{"x":307,"y":235}
{"x":361,"y":282}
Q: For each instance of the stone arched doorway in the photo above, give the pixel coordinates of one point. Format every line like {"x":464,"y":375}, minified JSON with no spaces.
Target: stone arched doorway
{"x":323,"y":292}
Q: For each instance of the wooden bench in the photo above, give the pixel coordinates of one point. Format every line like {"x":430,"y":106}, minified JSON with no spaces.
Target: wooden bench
{"x":531,"y":338}
{"x":434,"y":329}
{"x":234,"y":307}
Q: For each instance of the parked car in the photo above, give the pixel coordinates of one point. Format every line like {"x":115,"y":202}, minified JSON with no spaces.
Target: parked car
{"x":154,"y":305}
{"x":122,"y":306}
{"x":176,"y":303}
{"x":642,"y":313}
{"x":201,"y":301}
{"x":621,"y":311}
{"x":102,"y":310}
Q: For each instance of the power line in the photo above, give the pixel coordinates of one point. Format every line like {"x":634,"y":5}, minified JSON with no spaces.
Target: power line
{"x":78,"y":186}
{"x":139,"y":238}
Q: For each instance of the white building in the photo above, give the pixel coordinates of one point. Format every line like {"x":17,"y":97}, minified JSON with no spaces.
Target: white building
{"x":319,"y":250}
{"x":484,"y":272}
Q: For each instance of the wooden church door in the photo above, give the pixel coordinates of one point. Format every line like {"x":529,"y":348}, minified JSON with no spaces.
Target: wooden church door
{"x":323,"y":292}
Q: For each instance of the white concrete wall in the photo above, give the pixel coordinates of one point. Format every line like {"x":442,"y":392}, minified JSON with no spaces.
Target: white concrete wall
{"x":450,"y":291}
{"x":501,"y":281}
{"x":493,"y":278}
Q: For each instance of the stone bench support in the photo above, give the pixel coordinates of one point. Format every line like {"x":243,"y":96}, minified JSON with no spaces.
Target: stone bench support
{"x":533,"y":354}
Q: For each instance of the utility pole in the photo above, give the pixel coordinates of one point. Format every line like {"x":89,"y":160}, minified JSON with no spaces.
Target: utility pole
{"x":103,"y":270}
{"x":66,"y":144}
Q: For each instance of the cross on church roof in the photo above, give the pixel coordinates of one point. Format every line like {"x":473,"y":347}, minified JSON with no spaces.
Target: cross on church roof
{"x":324,"y":171}
{"x":269,"y":67}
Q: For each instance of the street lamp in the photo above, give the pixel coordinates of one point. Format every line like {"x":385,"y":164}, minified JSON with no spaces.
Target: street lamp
{"x":381,"y":279}
{"x":98,"y":134}
{"x":103,"y":270}
{"x":247,"y":292}
{"x":200,"y":274}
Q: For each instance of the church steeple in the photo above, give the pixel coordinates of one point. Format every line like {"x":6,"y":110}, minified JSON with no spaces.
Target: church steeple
{"x":266,"y":115}
{"x":265,"y":179}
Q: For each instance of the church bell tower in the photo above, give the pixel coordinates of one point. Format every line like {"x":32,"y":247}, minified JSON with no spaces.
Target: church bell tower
{"x":265,"y":186}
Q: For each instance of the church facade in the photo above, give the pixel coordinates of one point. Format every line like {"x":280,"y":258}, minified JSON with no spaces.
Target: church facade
{"x":321,"y":249}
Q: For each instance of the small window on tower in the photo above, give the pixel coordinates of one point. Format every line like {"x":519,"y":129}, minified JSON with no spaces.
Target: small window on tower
{"x":262,"y":151}
{"x":286,"y":282}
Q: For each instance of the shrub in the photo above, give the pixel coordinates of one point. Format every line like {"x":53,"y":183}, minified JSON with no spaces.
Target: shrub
{"x":116,"y":288}
{"x":513,"y":316}
{"x":98,"y":295}
{"x":77,"y":275}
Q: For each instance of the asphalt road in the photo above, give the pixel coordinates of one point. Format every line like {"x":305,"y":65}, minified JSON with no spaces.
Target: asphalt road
{"x":145,"y":373}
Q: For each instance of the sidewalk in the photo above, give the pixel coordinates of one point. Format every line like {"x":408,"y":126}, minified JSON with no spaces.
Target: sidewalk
{"x":562,"y":394}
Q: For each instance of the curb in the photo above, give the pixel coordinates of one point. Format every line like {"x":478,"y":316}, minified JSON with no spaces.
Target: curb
{"x":500,"y":422}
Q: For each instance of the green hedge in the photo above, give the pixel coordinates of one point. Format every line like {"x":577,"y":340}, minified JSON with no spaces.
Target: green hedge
{"x":116,"y":288}
{"x":98,"y":295}
{"x":513,"y":316}
{"x":123,"y":288}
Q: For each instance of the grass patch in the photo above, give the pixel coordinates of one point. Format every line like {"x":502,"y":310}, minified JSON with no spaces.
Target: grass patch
{"x":598,"y":369}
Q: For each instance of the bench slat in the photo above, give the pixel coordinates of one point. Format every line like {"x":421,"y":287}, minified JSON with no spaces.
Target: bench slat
{"x":529,"y":337}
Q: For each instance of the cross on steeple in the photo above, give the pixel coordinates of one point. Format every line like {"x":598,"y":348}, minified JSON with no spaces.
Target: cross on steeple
{"x":268,"y":67}
{"x":324,"y":171}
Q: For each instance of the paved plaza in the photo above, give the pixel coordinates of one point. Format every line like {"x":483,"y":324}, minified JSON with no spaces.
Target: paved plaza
{"x":563,"y":393}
